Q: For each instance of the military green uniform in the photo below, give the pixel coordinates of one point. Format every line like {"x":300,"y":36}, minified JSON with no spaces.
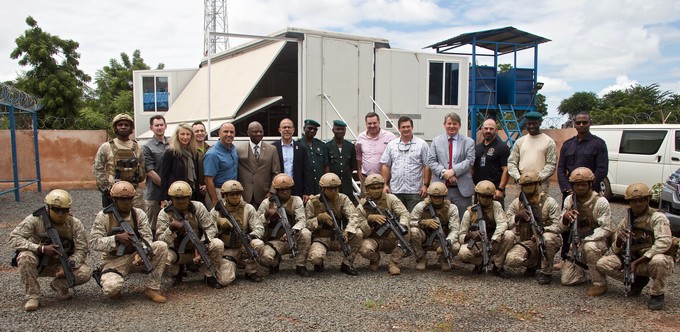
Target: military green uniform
{"x":317,"y":156}
{"x":343,"y":163}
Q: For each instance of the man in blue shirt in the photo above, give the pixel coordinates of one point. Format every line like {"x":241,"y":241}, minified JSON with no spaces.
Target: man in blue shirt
{"x":220,"y":163}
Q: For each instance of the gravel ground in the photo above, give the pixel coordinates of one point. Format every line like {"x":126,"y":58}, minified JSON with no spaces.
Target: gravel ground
{"x":330,"y":301}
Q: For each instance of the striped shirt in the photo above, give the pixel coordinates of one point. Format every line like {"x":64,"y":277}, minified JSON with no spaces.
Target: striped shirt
{"x":407,"y":162}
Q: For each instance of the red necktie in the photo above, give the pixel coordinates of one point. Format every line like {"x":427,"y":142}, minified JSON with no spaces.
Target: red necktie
{"x":450,"y":158}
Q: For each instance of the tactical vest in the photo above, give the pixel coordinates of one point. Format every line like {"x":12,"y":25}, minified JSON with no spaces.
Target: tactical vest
{"x":489,"y":217}
{"x":189,"y":216}
{"x":114,"y":228}
{"x":586,"y":217}
{"x":442,"y":213}
{"x":524,"y":228}
{"x":237,"y":212}
{"x":125,"y":163}
{"x":326,"y":230}
{"x":65,"y":232}
{"x":288,"y":206}
{"x":382,"y":205}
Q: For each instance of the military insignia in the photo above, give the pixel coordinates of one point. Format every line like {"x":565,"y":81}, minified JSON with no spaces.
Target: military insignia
{"x":491,"y":152}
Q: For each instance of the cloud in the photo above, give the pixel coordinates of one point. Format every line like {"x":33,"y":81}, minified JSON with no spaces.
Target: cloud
{"x":552,"y":85}
{"x":622,"y":83}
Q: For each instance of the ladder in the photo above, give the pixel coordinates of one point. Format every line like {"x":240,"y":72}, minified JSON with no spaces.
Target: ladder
{"x":511,"y":126}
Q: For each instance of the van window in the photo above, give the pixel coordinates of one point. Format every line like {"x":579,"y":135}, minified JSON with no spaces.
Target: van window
{"x":677,"y":140}
{"x":641,"y":141}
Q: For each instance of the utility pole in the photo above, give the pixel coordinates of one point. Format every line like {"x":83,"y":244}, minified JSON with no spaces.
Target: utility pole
{"x":215,"y":20}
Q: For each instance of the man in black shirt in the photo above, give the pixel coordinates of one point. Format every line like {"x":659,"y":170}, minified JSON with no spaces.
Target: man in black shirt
{"x":491,"y":160}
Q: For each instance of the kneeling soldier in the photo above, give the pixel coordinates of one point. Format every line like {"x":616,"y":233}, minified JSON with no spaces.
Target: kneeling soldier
{"x":652,"y":248}
{"x":424,"y":226}
{"x":528,"y":251}
{"x":39,"y":256}
{"x":498,"y":236}
{"x":324,"y":235}
{"x":108,"y":236}
{"x":278,"y":243}
{"x":171,"y":230}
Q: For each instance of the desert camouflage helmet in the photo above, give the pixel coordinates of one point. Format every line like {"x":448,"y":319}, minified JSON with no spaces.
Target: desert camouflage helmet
{"x":58,"y":198}
{"x":282,"y":180}
{"x":374,"y":179}
{"x":529,"y":177}
{"x":231,"y":186}
{"x":485,"y":188}
{"x":179,"y":189}
{"x":437,"y":189}
{"x":123,"y":117}
{"x":637,"y":190}
{"x":329,"y":180}
{"x":122,"y":189}
{"x":581,"y":174}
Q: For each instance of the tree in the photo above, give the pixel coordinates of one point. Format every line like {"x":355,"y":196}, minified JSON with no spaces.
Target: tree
{"x":504,"y":68}
{"x":541,"y":105}
{"x":54,"y":75}
{"x":578,"y":102}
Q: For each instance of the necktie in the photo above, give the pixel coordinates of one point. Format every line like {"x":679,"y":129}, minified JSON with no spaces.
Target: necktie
{"x":257,"y":152}
{"x":450,"y":158}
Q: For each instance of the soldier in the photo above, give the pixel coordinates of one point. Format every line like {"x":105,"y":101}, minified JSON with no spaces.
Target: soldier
{"x":320,"y":223}
{"x":171,"y":231}
{"x":526,"y":253}
{"x":249,"y":221}
{"x":594,"y":228}
{"x":120,"y":159}
{"x":277,"y":242}
{"x":36,"y":255}
{"x":497,"y":231}
{"x":342,"y":158}
{"x":370,"y":221}
{"x":106,"y":235}
{"x":424,"y":224}
{"x":317,"y":153}
{"x":652,"y":248}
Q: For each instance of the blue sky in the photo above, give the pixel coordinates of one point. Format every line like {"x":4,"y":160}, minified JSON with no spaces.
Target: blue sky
{"x":596,"y":45}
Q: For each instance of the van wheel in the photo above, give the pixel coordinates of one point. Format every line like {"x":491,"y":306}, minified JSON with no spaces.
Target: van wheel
{"x":606,"y":189}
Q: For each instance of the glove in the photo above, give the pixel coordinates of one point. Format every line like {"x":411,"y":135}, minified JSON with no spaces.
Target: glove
{"x":224,"y":223}
{"x":495,"y":248}
{"x":347,"y":236}
{"x":376,"y":218}
{"x":325,"y":218}
{"x":429,"y":223}
{"x":272,"y":214}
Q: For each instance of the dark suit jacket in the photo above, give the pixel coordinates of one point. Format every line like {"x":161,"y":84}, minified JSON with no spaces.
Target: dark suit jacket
{"x":301,"y":170}
{"x":256,"y":174}
{"x":174,"y":169}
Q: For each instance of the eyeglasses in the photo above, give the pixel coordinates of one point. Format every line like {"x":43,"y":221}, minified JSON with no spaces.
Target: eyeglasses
{"x":60,"y":210}
{"x":581,"y":123}
{"x":404,"y":147}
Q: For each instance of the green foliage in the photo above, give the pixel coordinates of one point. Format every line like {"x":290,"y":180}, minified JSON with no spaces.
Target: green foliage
{"x":54,"y":75}
{"x":504,"y":67}
{"x":541,"y":105}
{"x":578,"y":102}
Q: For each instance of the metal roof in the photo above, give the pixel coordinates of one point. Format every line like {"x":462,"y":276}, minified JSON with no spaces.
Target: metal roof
{"x":504,"y":40}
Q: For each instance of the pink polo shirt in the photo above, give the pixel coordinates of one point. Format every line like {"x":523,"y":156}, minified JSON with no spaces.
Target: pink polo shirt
{"x":369,"y":150}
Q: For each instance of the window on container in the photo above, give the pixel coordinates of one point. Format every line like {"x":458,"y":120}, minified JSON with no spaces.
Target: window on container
{"x":642,"y":141}
{"x":156,"y":95}
{"x":443,"y":83}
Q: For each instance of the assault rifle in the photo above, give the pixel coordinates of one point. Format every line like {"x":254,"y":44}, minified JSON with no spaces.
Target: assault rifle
{"x":486,"y":246}
{"x":142,"y":247}
{"x":536,"y":225}
{"x":236,"y":230}
{"x":337,"y":231}
{"x":283,"y":222}
{"x":392,"y":224}
{"x":574,"y":238}
{"x":439,"y":234}
{"x":190,"y":235}
{"x":628,"y":274}
{"x":53,"y":235}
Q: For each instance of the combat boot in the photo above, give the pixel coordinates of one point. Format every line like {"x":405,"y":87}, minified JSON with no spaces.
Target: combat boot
{"x":655,"y":302}
{"x":394,"y":269}
{"x":212,"y":282}
{"x":500,"y":272}
{"x":32,"y":305}
{"x":421,"y":264}
{"x":374,"y":265}
{"x":597,"y":290}
{"x":558,"y":266}
{"x":62,"y":294}
{"x":274,"y":269}
{"x":253,"y":277}
{"x":530,"y":272}
{"x":318,"y":267}
{"x":638,"y":285}
{"x":543,"y":279}
{"x":155,"y":295}
{"x":444,"y":265}
{"x":301,"y":270}
{"x":477,"y":269}
{"x":348,"y":270}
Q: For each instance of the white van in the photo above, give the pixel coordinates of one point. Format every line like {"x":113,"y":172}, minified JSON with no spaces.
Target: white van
{"x":646,"y":153}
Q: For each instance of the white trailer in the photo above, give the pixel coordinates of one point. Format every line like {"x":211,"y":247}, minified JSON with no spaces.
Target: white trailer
{"x":301,"y":74}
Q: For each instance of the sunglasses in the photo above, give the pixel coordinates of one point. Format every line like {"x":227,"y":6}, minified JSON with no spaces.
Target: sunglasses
{"x":581,"y":122}
{"x":404,"y":147}
{"x":60,"y":210}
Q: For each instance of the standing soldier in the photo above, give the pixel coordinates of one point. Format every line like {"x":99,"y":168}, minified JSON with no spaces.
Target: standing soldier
{"x":38,"y":256}
{"x":652,"y":248}
{"x":250,"y":223}
{"x":371,"y":220}
{"x":424,"y":224}
{"x":171,"y":231}
{"x":317,"y":153}
{"x":594,"y":224}
{"x":526,"y":253}
{"x":120,"y":159}
{"x":277,"y":243}
{"x":107,"y":235}
{"x":320,"y":222}
{"x":501,"y":239}
{"x":342,"y":159}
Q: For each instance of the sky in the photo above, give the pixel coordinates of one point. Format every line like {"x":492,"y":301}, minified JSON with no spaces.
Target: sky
{"x":595,"y":46}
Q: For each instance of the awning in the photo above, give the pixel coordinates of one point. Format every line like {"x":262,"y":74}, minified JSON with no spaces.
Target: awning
{"x":249,"y":107}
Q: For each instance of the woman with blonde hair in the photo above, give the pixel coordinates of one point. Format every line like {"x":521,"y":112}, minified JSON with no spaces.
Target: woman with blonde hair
{"x":180,"y":161}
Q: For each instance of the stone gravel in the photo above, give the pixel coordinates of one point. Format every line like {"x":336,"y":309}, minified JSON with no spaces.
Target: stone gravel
{"x":329,"y":301}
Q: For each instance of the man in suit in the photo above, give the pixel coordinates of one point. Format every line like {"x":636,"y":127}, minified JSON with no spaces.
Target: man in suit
{"x":450,"y":158}
{"x":258,"y":163}
{"x":293,"y":160}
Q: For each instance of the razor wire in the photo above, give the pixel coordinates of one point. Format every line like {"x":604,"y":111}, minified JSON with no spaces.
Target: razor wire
{"x":10,"y":95}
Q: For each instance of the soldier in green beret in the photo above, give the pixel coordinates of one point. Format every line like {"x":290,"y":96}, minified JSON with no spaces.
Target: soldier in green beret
{"x":317,"y":153}
{"x":342,"y":158}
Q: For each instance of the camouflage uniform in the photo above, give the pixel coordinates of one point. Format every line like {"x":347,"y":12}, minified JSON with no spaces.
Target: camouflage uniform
{"x":105,"y":166}
{"x":497,"y":229}
{"x":270,"y":252}
{"x":525,"y":252}
{"x":595,"y":228}
{"x":115,"y":268}
{"x":450,"y":222}
{"x":27,"y":237}
{"x":204,"y":226}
